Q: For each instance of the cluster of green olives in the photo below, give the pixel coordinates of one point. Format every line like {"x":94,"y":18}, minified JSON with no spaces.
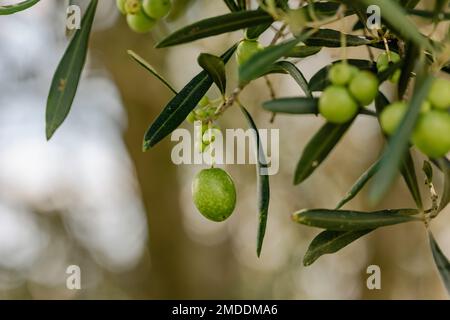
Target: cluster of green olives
{"x":431,"y":134}
{"x":383,"y":62}
{"x":142,"y":15}
{"x":214,"y":194}
{"x":213,"y":189}
{"x":350,"y":89}
{"x":206,"y":113}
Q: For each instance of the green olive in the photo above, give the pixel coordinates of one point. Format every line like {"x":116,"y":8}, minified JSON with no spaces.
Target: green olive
{"x":341,"y":73}
{"x":425,"y":107}
{"x":364,"y":87}
{"x":140,"y":22}
{"x":439,"y":95}
{"x":337,"y":105}
{"x":432,"y":133}
{"x":121,"y":6}
{"x":157,"y":9}
{"x":296,"y":19}
{"x":383,"y":60}
{"x":132,"y":6}
{"x":214,"y":194}
{"x":383,"y":64}
{"x":246,"y":49}
{"x":191,"y":117}
{"x":204,"y":102}
{"x":391,"y":116}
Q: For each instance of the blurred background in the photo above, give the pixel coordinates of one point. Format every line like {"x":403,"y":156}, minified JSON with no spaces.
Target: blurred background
{"x":90,"y":196}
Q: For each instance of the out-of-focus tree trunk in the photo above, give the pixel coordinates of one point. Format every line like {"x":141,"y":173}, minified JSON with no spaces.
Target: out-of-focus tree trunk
{"x":142,"y":95}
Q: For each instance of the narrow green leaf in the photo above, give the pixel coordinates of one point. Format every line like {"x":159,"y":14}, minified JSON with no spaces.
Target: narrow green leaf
{"x":358,"y":26}
{"x":215,"y":26}
{"x":274,"y":69}
{"x":409,"y":4}
{"x":332,"y":39}
{"x":442,"y":16}
{"x":395,"y":151}
{"x":297,"y":75}
{"x":297,"y":105}
{"x":67,"y":75}
{"x":428,"y":170}
{"x":13,"y":8}
{"x":262,"y":183}
{"x":282,"y":4}
{"x":407,"y":165}
{"x":359,"y":184}
{"x":411,"y":53}
{"x":439,"y":7}
{"x":322,"y":10}
{"x":318,"y":149}
{"x":381,"y":102}
{"x":179,"y":107}
{"x":396,"y":17}
{"x":328,"y":8}
{"x":255,"y":32}
{"x":325,"y":8}
{"x":442,"y":263}
{"x":215,"y":67}
{"x":328,"y":242}
{"x":346,"y":220}
{"x":258,"y":63}
{"x":445,"y":197}
{"x":300,"y":105}
{"x":409,"y":175}
{"x":320,"y":80}
{"x":231,"y":5}
{"x":242,"y":4}
{"x":302,"y":51}
{"x":141,"y":61}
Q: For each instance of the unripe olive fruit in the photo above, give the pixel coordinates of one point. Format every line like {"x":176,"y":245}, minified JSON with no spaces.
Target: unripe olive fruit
{"x":391,"y":116}
{"x":191,"y":117}
{"x":425,"y":107}
{"x":204,"y":102}
{"x":439,"y":95}
{"x":364,"y":87}
{"x":132,"y":6}
{"x":140,"y":22}
{"x":432,"y":133}
{"x":383,"y":64}
{"x":396,"y":76}
{"x":156,"y":9}
{"x":214,"y":194}
{"x":296,"y":19}
{"x":341,"y":73}
{"x":121,"y":6}
{"x":337,"y":105}
{"x":383,"y":60}
{"x":210,"y":135}
{"x":246,"y":49}
{"x":203,"y":146}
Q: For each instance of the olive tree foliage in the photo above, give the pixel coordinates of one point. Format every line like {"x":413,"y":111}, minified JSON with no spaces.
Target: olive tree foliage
{"x":302,"y":30}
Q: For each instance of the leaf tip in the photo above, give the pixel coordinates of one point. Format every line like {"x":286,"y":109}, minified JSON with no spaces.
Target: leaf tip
{"x":297,"y":180}
{"x":161,"y":44}
{"x":49,"y":131}
{"x":146,"y":145}
{"x":297,"y":217}
{"x":307,"y":261}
